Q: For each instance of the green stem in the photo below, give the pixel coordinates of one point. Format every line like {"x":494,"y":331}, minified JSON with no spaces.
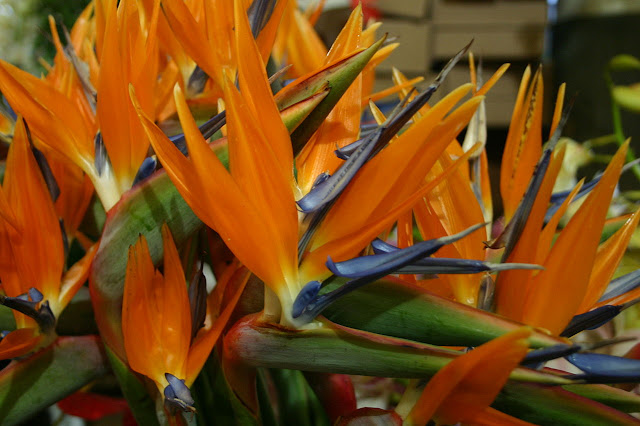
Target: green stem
{"x":617,"y":124}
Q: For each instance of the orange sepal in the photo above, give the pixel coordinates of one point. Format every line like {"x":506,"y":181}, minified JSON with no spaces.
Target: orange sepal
{"x":192,"y":36}
{"x":512,"y":286}
{"x":37,"y":248}
{"x":156,"y":316}
{"x":464,"y":388}
{"x":523,"y":145}
{"x":52,"y":117}
{"x":557,"y":291}
{"x":549,"y":231}
{"x":254,"y":85}
{"x":607,"y":259}
{"x":20,"y":342}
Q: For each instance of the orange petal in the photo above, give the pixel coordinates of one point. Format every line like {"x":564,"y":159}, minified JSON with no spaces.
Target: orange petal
{"x":524,"y":143}
{"x":52,"y":118}
{"x":549,"y":231}
{"x":156,"y":315}
{"x":37,"y":249}
{"x":20,"y":342}
{"x":607,"y":259}
{"x":557,"y":292}
{"x":469,"y":384}
{"x":512,"y":286}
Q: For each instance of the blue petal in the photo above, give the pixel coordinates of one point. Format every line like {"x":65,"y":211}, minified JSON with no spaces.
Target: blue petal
{"x":35,"y":295}
{"x":390,"y":262}
{"x":146,"y":169}
{"x":101,"y":158}
{"x":371,"y":145}
{"x":591,"y":320}
{"x":45,"y":169}
{"x":378,"y":270}
{"x":346,"y":151}
{"x":600,"y":365}
{"x":306,"y":296}
{"x":177,"y":394}
{"x":621,"y":285}
{"x":380,"y":246}
{"x":517,"y":223}
{"x":547,"y":354}
{"x":197,"y":81}
{"x":259,"y":13}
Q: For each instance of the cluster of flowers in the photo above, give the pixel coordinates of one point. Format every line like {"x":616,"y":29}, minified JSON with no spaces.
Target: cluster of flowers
{"x":283,"y":197}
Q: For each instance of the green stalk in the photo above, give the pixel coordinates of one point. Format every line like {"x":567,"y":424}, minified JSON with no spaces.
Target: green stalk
{"x":392,"y":307}
{"x":333,"y":349}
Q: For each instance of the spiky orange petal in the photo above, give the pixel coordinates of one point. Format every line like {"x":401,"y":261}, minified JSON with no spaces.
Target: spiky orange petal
{"x":557,"y":292}
{"x":465,"y":387}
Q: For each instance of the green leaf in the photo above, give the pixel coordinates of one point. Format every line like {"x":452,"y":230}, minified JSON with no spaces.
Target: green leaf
{"x":141,"y":404}
{"x":42,"y":379}
{"x":334,"y":349}
{"x":545,"y":405}
{"x":393,"y":308}
{"x":624,"y":62}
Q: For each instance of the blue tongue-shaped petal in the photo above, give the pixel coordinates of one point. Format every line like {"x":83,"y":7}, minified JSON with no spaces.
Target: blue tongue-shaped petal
{"x":595,"y":318}
{"x":146,"y":169}
{"x":591,"y":320}
{"x":427,"y":265}
{"x":327,"y":191}
{"x":177,"y":394}
{"x":547,"y":354}
{"x":621,"y":285}
{"x":606,"y":368}
{"x":391,"y":263}
{"x":380,"y":246}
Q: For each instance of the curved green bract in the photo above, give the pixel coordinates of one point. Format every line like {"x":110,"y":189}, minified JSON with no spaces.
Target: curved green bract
{"x":545,"y":405}
{"x":335,"y":349}
{"x":34,"y":383}
{"x":394,"y":308}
